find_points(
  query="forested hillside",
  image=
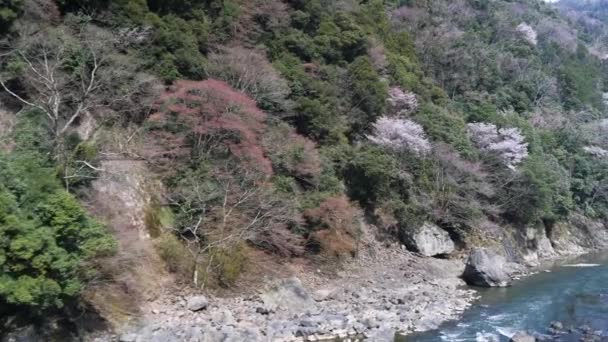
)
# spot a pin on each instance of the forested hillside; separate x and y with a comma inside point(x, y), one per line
point(290, 130)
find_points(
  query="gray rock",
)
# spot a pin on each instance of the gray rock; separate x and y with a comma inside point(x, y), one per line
point(197, 303)
point(324, 294)
point(128, 338)
point(486, 268)
point(25, 334)
point(557, 325)
point(545, 249)
point(522, 336)
point(288, 295)
point(429, 240)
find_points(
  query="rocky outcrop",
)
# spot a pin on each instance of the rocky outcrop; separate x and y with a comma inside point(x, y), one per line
point(578, 235)
point(429, 240)
point(486, 268)
point(122, 196)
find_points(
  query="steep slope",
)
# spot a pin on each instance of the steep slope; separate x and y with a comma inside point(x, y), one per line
point(306, 134)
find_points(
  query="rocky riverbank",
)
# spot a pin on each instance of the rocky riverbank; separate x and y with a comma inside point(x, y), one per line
point(376, 296)
point(396, 292)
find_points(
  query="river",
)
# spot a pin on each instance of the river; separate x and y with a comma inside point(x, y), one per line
point(574, 293)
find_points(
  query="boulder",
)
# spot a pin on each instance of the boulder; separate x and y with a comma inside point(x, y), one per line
point(128, 338)
point(324, 294)
point(288, 295)
point(197, 303)
point(429, 240)
point(486, 268)
point(522, 336)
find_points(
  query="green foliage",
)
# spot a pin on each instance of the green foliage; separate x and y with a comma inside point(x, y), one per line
point(442, 125)
point(9, 12)
point(369, 92)
point(540, 191)
point(369, 173)
point(176, 256)
point(178, 45)
point(580, 84)
point(47, 241)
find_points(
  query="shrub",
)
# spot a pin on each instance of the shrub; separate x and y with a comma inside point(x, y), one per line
point(293, 154)
point(176, 256)
point(334, 226)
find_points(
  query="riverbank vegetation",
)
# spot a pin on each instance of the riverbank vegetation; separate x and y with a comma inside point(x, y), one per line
point(286, 126)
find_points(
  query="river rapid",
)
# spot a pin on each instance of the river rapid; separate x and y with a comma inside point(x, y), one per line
point(573, 292)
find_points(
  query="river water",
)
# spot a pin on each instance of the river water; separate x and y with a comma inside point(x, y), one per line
point(574, 293)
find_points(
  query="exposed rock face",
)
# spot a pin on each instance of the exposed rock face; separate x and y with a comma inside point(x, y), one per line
point(486, 268)
point(197, 303)
point(544, 247)
point(122, 197)
point(578, 235)
point(521, 336)
point(289, 295)
point(429, 240)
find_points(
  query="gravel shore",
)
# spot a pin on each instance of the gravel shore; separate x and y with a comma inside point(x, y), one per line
point(375, 298)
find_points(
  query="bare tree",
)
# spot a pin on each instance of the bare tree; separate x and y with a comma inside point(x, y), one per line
point(65, 74)
point(232, 205)
point(249, 71)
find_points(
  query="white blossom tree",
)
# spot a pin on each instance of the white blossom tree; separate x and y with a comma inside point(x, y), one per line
point(528, 33)
point(400, 135)
point(596, 151)
point(507, 143)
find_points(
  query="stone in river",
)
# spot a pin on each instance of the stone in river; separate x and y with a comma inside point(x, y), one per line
point(522, 336)
point(486, 268)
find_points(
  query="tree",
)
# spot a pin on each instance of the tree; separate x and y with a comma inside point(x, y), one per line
point(507, 143)
point(47, 241)
point(250, 72)
point(400, 135)
point(189, 116)
point(222, 205)
point(66, 74)
point(402, 102)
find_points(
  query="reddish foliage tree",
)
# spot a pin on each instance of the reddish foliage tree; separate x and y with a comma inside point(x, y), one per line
point(193, 116)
